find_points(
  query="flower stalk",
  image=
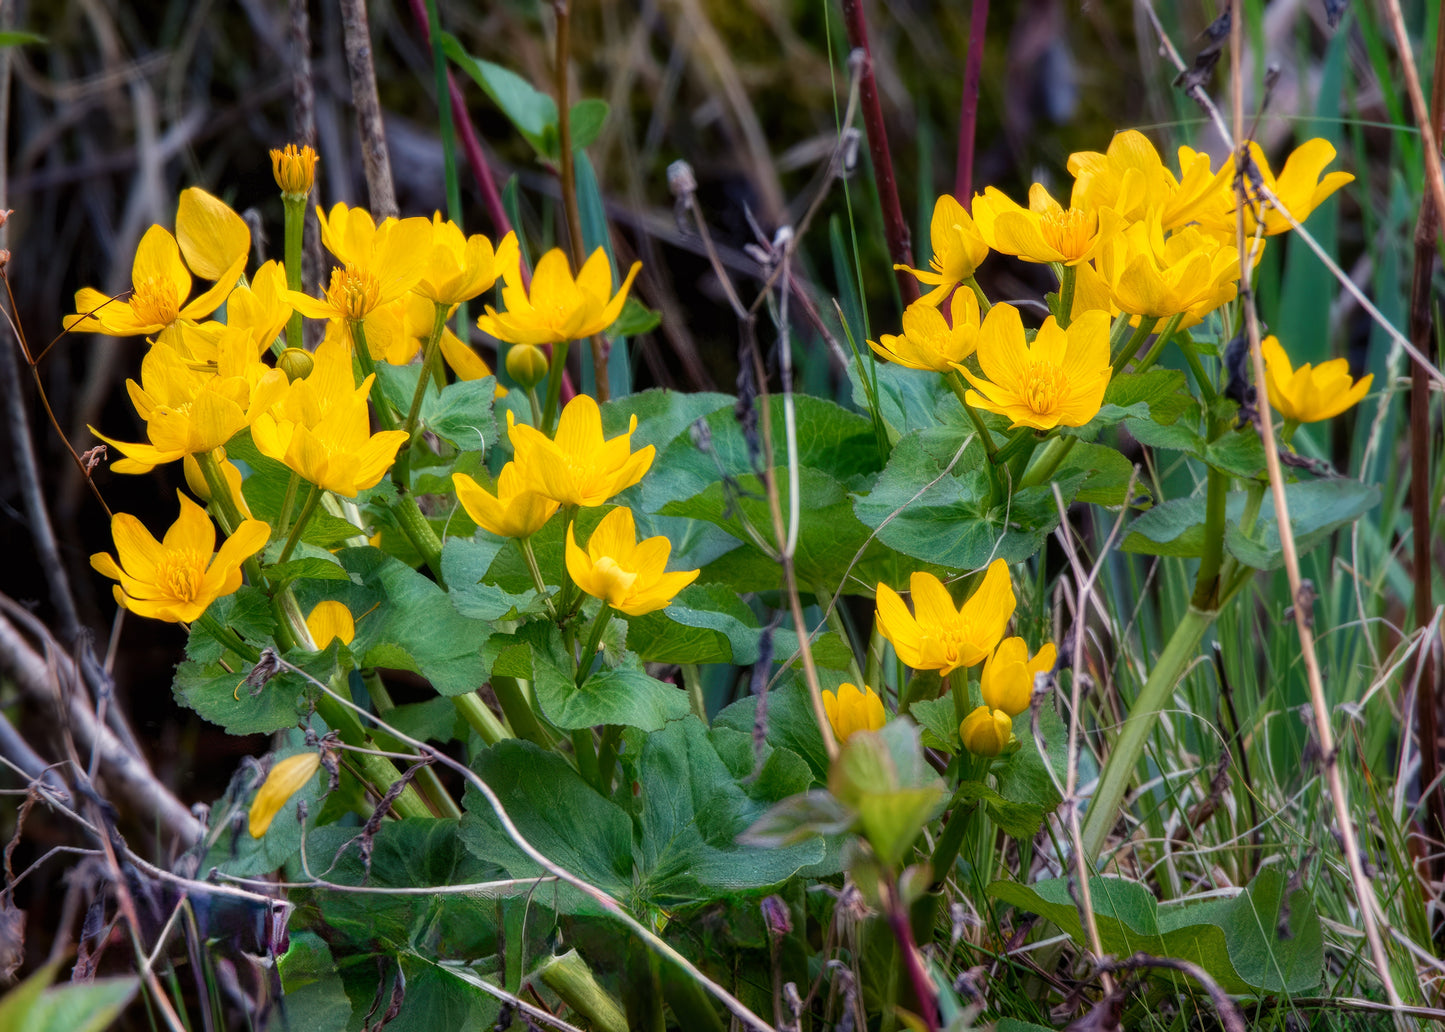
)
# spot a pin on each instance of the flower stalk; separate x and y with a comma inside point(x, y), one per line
point(295, 209)
point(313, 497)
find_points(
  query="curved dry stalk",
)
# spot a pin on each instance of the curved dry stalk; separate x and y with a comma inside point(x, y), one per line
point(1303, 603)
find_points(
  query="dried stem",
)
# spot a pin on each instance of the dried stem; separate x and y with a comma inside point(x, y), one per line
point(1303, 604)
point(895, 227)
point(374, 155)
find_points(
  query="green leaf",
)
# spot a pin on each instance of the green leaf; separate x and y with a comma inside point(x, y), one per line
point(1021, 820)
point(532, 112)
point(586, 121)
point(636, 319)
point(1106, 474)
point(221, 696)
point(911, 399)
point(315, 998)
point(1164, 391)
point(622, 696)
point(798, 819)
point(310, 568)
point(790, 723)
point(709, 623)
point(20, 38)
point(461, 413)
point(441, 996)
point(1023, 775)
point(883, 776)
point(80, 1007)
point(1248, 944)
point(940, 725)
point(465, 563)
point(1238, 453)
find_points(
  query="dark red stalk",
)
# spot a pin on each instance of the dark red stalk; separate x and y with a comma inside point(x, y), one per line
point(968, 111)
point(895, 228)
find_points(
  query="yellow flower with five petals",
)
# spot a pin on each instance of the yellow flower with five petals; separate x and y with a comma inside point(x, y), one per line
point(1310, 393)
point(578, 467)
point(1045, 231)
point(958, 249)
point(513, 511)
point(557, 307)
point(936, 636)
point(928, 342)
point(629, 575)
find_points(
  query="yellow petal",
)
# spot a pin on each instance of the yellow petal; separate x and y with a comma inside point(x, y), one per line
point(287, 777)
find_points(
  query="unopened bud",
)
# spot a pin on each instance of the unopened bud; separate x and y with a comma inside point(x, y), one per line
point(680, 179)
point(295, 170)
point(296, 364)
point(527, 364)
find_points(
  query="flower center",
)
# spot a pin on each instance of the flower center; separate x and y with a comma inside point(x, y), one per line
point(1069, 231)
point(179, 573)
point(616, 581)
point(154, 301)
point(353, 292)
point(1045, 388)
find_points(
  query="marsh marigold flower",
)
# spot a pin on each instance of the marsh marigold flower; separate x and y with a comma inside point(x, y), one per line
point(1309, 394)
point(176, 578)
point(627, 574)
point(1131, 178)
point(1008, 675)
point(287, 777)
point(1188, 272)
point(936, 636)
point(558, 308)
point(214, 243)
point(928, 342)
point(958, 249)
point(459, 267)
point(1058, 380)
point(1299, 186)
point(578, 467)
point(1045, 231)
point(295, 169)
point(985, 731)
point(852, 710)
point(513, 512)
point(329, 621)
point(380, 263)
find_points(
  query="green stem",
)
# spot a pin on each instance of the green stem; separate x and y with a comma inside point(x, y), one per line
point(692, 678)
point(955, 381)
point(518, 710)
point(227, 637)
point(384, 415)
point(1136, 341)
point(295, 208)
point(288, 504)
point(1206, 580)
point(984, 304)
point(525, 544)
point(958, 685)
point(418, 531)
point(481, 719)
point(1201, 378)
point(429, 783)
point(837, 626)
point(307, 508)
point(594, 638)
point(439, 323)
point(535, 405)
point(607, 757)
point(379, 772)
point(1152, 355)
point(586, 754)
point(1048, 462)
point(228, 514)
point(1022, 438)
point(554, 386)
point(1119, 768)
point(1068, 274)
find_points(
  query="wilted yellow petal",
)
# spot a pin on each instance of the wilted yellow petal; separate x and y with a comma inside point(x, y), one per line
point(287, 777)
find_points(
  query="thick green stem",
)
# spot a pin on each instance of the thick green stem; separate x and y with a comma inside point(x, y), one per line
point(1119, 768)
point(1201, 378)
point(955, 381)
point(482, 720)
point(554, 387)
point(1068, 274)
point(362, 350)
point(1160, 341)
point(418, 531)
point(1206, 581)
point(1021, 443)
point(525, 545)
point(377, 771)
point(307, 508)
point(594, 638)
point(518, 710)
point(439, 323)
point(1135, 342)
point(586, 754)
point(692, 678)
point(288, 505)
point(569, 977)
point(1048, 461)
point(958, 686)
point(227, 637)
point(607, 757)
point(295, 208)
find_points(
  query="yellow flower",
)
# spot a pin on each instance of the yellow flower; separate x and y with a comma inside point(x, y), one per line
point(986, 731)
point(940, 637)
point(558, 308)
point(1190, 272)
point(1131, 179)
point(380, 263)
point(1045, 231)
point(175, 579)
point(460, 267)
point(190, 407)
point(321, 428)
point(1058, 380)
point(513, 512)
point(958, 249)
point(1310, 394)
point(1008, 676)
point(214, 242)
point(287, 777)
point(294, 169)
point(1299, 188)
point(579, 467)
point(329, 621)
point(928, 341)
point(261, 308)
point(852, 710)
point(625, 573)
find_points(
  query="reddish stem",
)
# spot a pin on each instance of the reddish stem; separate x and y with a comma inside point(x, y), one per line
point(968, 113)
point(917, 977)
point(900, 245)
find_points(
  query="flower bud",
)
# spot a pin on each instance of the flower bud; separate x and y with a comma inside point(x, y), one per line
point(986, 731)
point(295, 170)
point(527, 364)
point(296, 363)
